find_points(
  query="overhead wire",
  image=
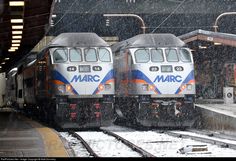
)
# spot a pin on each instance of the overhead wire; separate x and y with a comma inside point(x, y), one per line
point(86, 12)
point(168, 16)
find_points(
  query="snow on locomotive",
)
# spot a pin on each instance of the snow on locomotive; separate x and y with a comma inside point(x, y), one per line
point(71, 83)
point(154, 77)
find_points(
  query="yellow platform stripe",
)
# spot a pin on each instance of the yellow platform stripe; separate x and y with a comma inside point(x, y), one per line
point(52, 143)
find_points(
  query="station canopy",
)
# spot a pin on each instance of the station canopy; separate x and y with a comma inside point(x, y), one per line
point(210, 36)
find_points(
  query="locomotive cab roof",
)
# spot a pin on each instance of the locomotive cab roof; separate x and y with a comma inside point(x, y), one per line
point(149, 40)
point(78, 40)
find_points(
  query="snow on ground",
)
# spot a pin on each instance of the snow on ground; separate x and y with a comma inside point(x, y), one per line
point(107, 146)
point(158, 144)
point(204, 136)
point(102, 144)
point(163, 145)
point(76, 145)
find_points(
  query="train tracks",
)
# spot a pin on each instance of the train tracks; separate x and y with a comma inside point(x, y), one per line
point(136, 148)
point(85, 144)
point(140, 152)
point(206, 137)
point(117, 141)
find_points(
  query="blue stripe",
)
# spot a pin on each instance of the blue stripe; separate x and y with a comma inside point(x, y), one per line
point(137, 74)
point(188, 78)
point(110, 75)
point(58, 76)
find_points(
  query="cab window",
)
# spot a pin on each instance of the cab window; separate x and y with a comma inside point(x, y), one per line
point(90, 55)
point(60, 56)
point(142, 56)
point(185, 55)
point(157, 55)
point(75, 55)
point(171, 55)
point(104, 55)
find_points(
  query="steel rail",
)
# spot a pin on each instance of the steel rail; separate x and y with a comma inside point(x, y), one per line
point(129, 144)
point(202, 139)
point(85, 144)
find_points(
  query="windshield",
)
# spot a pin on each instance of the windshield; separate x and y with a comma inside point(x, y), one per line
point(142, 56)
point(60, 55)
point(171, 55)
point(104, 55)
point(185, 55)
point(157, 55)
point(90, 55)
point(75, 55)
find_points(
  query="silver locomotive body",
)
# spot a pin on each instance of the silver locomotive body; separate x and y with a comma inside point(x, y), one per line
point(71, 83)
point(155, 74)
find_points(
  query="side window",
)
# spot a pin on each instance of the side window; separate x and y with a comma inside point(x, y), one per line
point(90, 55)
point(157, 55)
point(20, 93)
point(142, 56)
point(185, 55)
point(60, 56)
point(104, 55)
point(171, 55)
point(75, 55)
point(29, 82)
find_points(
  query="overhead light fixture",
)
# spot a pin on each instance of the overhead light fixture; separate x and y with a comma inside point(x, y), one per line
point(3, 63)
point(17, 20)
point(0, 67)
point(16, 3)
point(16, 32)
point(15, 45)
point(7, 58)
point(202, 47)
point(107, 22)
point(217, 43)
point(17, 37)
point(14, 48)
point(15, 41)
point(17, 27)
point(11, 50)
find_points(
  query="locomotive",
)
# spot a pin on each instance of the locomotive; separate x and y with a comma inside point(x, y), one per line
point(70, 83)
point(154, 78)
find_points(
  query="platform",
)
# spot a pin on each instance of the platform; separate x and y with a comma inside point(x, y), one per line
point(23, 137)
point(218, 116)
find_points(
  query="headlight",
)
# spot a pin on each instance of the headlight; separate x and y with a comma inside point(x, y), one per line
point(68, 88)
point(189, 86)
point(145, 87)
point(101, 87)
point(151, 87)
point(61, 88)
